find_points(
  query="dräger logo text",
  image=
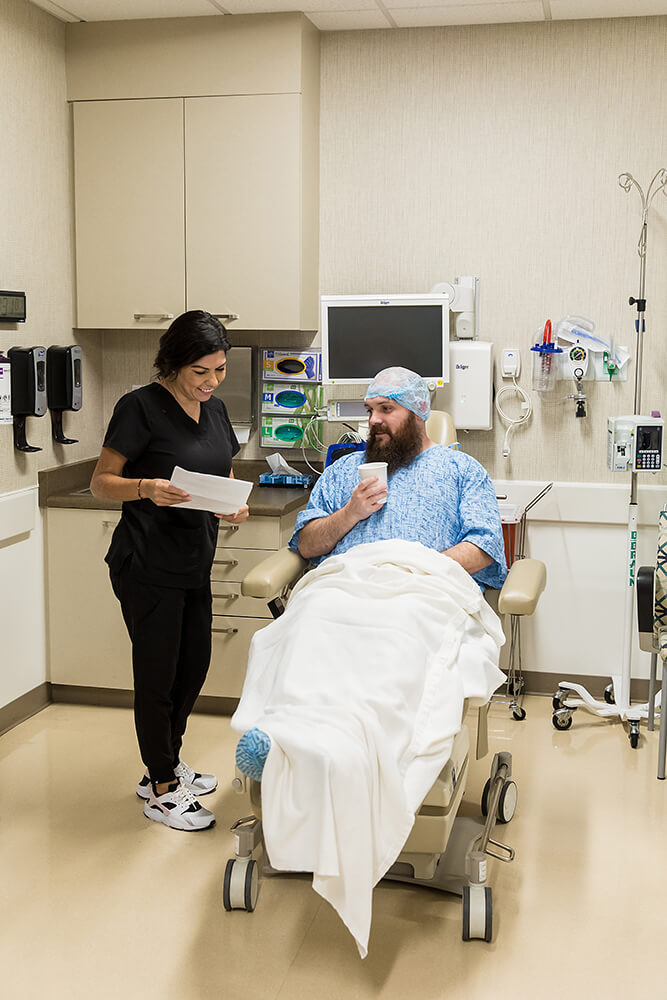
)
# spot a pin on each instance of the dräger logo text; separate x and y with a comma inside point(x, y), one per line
point(461, 368)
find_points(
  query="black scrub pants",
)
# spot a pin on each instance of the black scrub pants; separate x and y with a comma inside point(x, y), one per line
point(170, 630)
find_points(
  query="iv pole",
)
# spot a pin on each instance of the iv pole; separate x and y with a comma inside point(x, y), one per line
point(617, 694)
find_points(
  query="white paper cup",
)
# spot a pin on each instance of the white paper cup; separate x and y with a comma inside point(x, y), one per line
point(379, 469)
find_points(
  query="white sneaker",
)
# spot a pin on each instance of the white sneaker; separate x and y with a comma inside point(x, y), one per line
point(198, 784)
point(178, 809)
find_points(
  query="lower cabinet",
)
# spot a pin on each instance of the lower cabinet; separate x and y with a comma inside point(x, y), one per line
point(88, 643)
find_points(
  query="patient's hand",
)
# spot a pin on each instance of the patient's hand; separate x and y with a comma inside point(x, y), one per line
point(322, 534)
point(367, 498)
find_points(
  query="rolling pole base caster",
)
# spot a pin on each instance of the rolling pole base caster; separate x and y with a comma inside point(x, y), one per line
point(515, 686)
point(562, 718)
point(633, 733)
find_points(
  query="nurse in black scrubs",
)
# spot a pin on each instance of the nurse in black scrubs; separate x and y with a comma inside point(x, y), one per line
point(160, 557)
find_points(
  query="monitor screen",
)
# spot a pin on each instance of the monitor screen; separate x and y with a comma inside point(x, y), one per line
point(362, 335)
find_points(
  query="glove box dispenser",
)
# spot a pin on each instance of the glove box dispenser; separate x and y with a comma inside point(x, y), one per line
point(28, 382)
point(64, 386)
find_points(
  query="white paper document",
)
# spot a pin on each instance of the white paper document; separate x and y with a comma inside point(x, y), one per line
point(216, 494)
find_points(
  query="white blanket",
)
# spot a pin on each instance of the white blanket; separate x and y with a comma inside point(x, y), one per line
point(360, 685)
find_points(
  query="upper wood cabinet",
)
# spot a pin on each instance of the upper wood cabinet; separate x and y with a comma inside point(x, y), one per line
point(196, 201)
point(129, 223)
point(246, 221)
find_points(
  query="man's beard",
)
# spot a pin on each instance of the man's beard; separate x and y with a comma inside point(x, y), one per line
point(401, 448)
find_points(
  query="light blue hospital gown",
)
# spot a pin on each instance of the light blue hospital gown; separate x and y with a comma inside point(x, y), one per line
point(442, 498)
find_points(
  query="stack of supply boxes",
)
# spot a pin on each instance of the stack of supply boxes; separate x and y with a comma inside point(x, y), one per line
point(291, 396)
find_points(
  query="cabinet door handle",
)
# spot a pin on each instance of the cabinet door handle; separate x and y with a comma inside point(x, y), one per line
point(225, 562)
point(230, 317)
point(229, 527)
point(228, 597)
point(157, 316)
point(230, 631)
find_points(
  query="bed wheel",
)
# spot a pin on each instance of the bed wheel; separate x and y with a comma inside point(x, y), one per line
point(507, 801)
point(477, 913)
point(485, 797)
point(240, 885)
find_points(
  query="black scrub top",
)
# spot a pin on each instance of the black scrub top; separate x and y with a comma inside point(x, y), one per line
point(168, 547)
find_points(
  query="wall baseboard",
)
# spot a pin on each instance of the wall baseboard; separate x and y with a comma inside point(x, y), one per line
point(23, 708)
point(78, 694)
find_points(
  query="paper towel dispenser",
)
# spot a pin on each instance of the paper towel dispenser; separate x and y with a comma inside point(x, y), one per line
point(238, 389)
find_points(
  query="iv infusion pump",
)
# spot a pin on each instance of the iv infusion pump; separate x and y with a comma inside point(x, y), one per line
point(634, 444)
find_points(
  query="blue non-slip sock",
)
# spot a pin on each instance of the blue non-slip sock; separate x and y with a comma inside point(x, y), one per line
point(251, 753)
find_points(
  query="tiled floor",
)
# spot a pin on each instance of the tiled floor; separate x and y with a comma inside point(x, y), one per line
point(98, 902)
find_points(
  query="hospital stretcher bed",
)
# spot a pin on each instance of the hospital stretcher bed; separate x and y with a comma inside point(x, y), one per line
point(443, 851)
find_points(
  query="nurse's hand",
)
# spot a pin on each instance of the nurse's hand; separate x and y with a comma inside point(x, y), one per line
point(161, 493)
point(241, 514)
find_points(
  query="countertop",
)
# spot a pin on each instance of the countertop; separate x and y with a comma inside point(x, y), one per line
point(264, 501)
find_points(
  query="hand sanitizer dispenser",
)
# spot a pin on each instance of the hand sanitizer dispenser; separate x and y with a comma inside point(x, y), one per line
point(64, 386)
point(28, 383)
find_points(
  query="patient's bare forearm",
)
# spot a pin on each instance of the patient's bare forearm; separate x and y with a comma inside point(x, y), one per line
point(469, 555)
point(319, 537)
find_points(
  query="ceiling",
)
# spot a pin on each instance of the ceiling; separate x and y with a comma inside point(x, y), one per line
point(342, 15)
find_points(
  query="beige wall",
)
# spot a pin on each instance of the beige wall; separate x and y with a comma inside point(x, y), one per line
point(495, 151)
point(36, 210)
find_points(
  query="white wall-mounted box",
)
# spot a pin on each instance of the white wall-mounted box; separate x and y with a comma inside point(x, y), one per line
point(468, 396)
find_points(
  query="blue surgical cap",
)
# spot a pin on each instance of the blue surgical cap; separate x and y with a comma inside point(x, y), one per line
point(404, 386)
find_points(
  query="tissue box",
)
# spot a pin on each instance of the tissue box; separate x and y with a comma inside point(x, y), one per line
point(287, 432)
point(282, 479)
point(292, 366)
point(291, 398)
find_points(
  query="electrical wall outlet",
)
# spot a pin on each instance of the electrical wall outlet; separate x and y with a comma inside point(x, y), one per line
point(510, 363)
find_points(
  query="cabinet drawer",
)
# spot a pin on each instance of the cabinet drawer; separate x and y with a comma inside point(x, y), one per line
point(227, 600)
point(229, 657)
point(233, 565)
point(255, 533)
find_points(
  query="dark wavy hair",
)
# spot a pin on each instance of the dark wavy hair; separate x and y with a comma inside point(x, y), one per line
point(191, 336)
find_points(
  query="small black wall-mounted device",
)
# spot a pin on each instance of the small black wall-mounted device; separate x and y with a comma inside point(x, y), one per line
point(63, 386)
point(28, 381)
point(12, 307)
